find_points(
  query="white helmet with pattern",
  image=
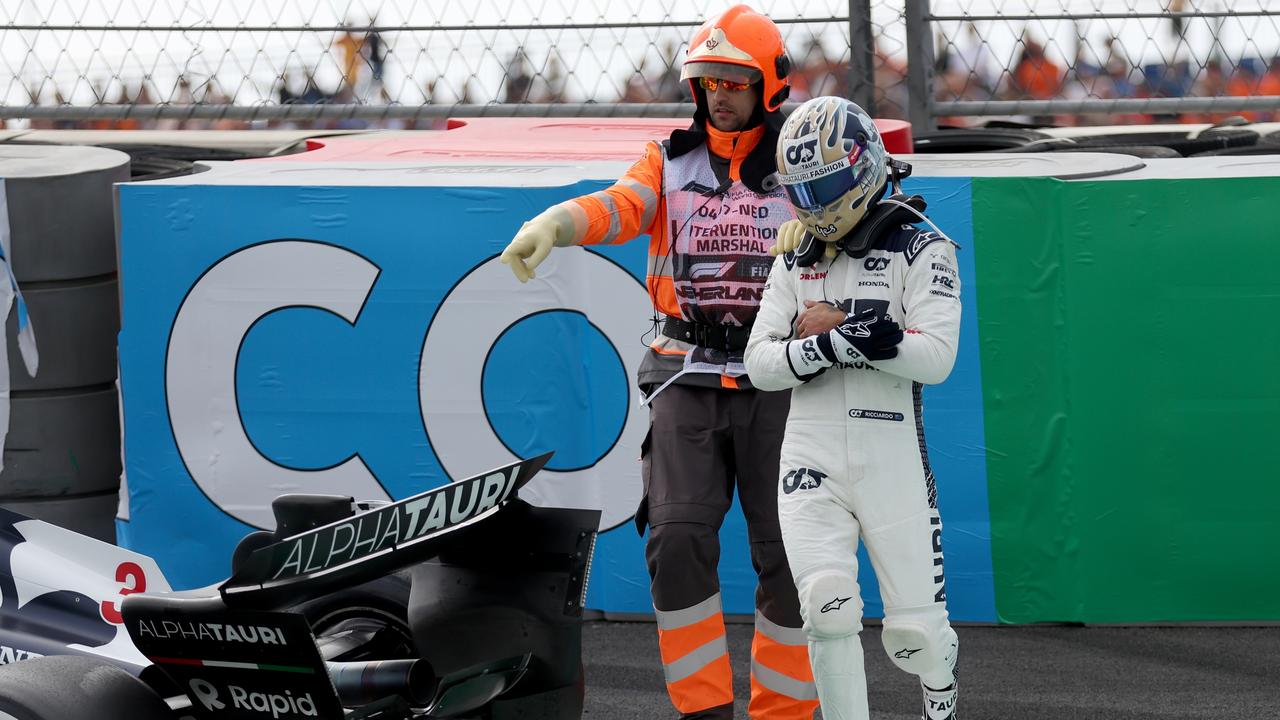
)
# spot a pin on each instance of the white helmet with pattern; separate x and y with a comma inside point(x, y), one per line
point(833, 164)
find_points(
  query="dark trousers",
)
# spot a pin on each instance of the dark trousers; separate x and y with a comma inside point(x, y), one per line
point(703, 445)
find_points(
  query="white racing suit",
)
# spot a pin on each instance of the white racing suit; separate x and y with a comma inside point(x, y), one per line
point(854, 462)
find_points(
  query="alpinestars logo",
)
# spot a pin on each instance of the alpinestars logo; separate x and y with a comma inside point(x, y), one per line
point(905, 654)
point(802, 479)
point(835, 604)
point(862, 329)
point(919, 243)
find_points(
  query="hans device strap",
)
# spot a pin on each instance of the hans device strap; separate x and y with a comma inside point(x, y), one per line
point(885, 217)
point(810, 250)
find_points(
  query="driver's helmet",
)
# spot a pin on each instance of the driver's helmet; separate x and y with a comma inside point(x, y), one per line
point(833, 165)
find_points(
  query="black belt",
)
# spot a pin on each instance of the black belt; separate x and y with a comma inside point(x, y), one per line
point(717, 337)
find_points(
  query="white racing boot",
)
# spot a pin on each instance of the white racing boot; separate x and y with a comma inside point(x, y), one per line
point(940, 704)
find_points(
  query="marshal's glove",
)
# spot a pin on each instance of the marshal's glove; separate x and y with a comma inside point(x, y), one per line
point(865, 335)
point(534, 240)
point(794, 237)
point(790, 234)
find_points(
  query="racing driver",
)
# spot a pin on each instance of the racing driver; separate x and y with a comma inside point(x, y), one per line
point(861, 310)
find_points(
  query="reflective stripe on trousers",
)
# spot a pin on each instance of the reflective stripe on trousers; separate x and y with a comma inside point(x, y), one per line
point(782, 685)
point(695, 656)
point(695, 662)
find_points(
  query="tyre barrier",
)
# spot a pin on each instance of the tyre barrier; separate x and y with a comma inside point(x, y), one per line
point(76, 323)
point(1182, 143)
point(62, 452)
point(46, 241)
point(62, 444)
point(156, 162)
point(1263, 147)
point(92, 515)
point(1142, 151)
point(973, 140)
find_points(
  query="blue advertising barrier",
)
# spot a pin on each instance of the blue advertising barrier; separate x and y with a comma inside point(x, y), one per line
point(316, 335)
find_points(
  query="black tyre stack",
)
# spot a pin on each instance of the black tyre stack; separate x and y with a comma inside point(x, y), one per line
point(62, 453)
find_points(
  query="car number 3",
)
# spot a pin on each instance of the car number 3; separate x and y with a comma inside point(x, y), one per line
point(132, 580)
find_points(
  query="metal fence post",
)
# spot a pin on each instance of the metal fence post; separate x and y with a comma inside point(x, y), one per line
point(862, 56)
point(919, 66)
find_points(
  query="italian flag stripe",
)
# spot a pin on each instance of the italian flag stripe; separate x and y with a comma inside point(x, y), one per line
point(233, 665)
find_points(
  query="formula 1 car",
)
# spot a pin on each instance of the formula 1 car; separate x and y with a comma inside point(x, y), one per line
point(460, 602)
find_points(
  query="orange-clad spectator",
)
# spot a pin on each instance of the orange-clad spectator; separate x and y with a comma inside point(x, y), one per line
point(1036, 76)
point(143, 98)
point(1210, 83)
point(1269, 83)
point(1244, 83)
point(350, 46)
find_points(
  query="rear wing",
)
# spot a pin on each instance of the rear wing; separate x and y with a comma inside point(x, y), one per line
point(372, 543)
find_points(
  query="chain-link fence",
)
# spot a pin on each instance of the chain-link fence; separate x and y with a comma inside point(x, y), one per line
point(1105, 61)
point(201, 62)
point(405, 63)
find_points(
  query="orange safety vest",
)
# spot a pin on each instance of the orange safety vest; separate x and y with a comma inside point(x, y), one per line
point(692, 279)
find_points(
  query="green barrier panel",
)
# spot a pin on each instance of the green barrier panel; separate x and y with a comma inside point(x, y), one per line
point(1130, 347)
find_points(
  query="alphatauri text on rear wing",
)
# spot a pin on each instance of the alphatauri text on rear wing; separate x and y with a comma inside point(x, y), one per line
point(374, 542)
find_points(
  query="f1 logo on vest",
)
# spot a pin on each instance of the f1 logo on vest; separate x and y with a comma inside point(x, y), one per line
point(875, 264)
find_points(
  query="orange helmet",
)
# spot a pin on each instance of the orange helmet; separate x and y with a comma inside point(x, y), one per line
point(743, 46)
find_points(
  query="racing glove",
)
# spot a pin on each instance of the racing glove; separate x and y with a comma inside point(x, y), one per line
point(866, 334)
point(534, 240)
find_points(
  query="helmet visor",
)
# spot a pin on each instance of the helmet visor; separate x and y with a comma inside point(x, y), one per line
point(811, 193)
point(814, 195)
point(720, 70)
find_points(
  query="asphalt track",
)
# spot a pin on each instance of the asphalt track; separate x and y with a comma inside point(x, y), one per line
point(1006, 673)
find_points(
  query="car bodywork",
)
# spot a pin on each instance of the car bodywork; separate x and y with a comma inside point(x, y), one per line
point(487, 588)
